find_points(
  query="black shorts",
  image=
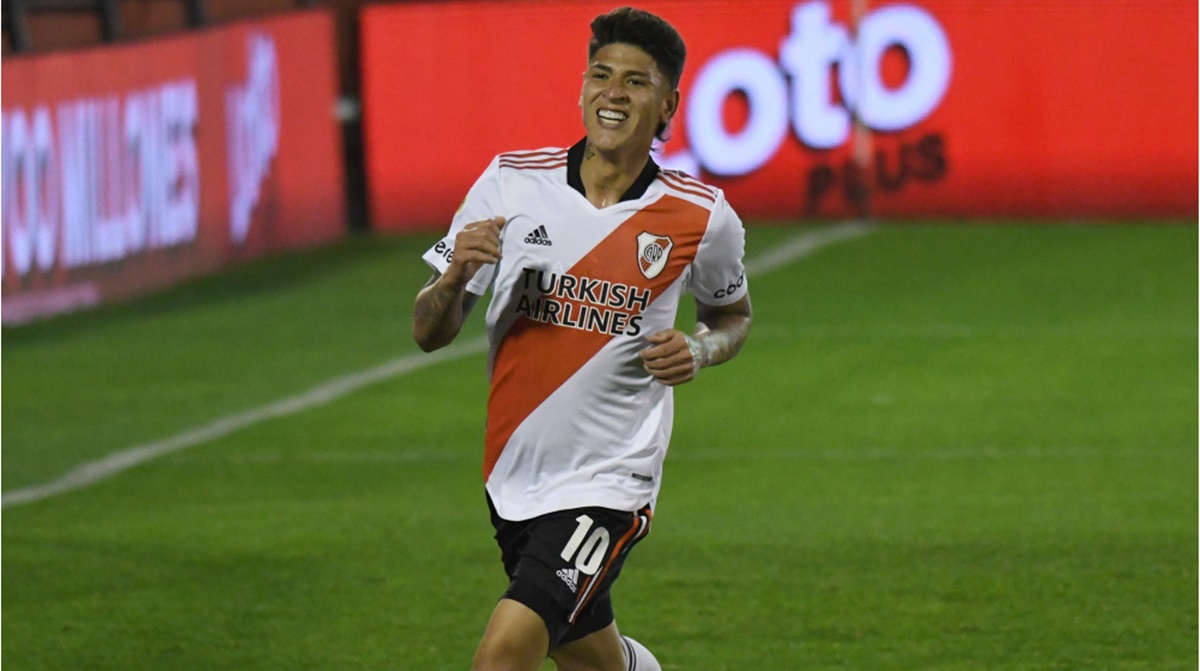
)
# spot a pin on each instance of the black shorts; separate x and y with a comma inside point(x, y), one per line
point(562, 565)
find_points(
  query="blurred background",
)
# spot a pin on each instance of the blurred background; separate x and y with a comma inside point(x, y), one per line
point(961, 436)
point(150, 140)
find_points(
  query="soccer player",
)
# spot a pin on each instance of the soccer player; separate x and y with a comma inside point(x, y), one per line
point(587, 251)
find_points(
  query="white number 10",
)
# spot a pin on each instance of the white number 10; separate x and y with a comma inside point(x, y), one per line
point(591, 552)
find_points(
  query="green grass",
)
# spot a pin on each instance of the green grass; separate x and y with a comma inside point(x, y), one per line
point(954, 447)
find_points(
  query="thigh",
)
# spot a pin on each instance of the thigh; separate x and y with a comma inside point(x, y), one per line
point(563, 565)
point(515, 638)
point(601, 650)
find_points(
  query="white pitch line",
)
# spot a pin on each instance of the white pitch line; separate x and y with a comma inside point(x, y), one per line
point(92, 472)
point(803, 245)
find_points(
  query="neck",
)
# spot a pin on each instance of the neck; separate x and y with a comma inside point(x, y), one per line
point(608, 175)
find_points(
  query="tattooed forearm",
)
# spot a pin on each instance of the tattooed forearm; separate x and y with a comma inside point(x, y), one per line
point(720, 332)
point(439, 313)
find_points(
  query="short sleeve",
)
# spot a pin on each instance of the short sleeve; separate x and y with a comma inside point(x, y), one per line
point(717, 275)
point(483, 201)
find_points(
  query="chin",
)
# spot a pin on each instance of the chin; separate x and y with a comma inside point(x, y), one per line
point(608, 140)
point(604, 141)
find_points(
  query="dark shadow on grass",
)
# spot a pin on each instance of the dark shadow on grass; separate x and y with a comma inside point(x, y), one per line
point(235, 283)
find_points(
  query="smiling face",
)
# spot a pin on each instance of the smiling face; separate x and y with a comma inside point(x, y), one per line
point(625, 98)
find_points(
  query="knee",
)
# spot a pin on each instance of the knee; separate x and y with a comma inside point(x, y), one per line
point(588, 658)
point(570, 663)
point(499, 653)
point(500, 663)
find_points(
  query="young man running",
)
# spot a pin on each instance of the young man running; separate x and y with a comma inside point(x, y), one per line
point(587, 251)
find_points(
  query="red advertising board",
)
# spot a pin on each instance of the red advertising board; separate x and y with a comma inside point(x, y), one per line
point(824, 108)
point(127, 168)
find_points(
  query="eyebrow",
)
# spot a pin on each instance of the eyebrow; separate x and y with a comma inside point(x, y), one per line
point(628, 73)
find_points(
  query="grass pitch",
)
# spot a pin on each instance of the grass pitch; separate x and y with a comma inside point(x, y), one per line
point(952, 447)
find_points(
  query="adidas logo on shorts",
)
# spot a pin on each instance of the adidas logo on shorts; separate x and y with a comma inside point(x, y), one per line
point(538, 236)
point(569, 576)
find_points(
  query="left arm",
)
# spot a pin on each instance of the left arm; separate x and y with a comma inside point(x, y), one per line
point(675, 357)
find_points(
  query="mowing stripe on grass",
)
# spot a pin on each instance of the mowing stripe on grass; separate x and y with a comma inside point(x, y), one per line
point(803, 245)
point(95, 471)
point(798, 453)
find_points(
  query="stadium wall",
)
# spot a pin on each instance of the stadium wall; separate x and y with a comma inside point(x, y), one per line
point(129, 167)
point(1065, 108)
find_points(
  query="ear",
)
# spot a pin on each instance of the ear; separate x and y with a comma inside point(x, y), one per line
point(670, 106)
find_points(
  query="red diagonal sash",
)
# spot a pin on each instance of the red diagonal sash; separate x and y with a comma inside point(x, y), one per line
point(535, 359)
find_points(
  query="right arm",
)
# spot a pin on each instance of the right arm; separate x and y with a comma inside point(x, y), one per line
point(443, 303)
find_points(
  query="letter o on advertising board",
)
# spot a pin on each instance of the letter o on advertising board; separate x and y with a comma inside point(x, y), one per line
point(917, 32)
point(30, 190)
point(759, 78)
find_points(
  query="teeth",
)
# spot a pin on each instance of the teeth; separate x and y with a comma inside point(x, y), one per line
point(612, 115)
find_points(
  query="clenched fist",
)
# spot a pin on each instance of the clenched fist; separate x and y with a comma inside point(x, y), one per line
point(476, 245)
point(673, 357)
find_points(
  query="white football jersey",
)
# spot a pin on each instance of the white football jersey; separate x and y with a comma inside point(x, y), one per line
point(573, 418)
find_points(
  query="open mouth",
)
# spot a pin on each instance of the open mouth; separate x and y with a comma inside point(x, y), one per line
point(611, 117)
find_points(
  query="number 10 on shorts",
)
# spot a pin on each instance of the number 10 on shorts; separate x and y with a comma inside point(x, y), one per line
point(588, 554)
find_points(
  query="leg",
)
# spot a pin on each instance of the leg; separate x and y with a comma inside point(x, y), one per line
point(556, 598)
point(598, 651)
point(604, 650)
point(642, 659)
point(515, 640)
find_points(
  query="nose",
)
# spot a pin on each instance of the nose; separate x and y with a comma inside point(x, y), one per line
point(615, 90)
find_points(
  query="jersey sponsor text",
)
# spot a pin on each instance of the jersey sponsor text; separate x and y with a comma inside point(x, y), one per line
point(584, 303)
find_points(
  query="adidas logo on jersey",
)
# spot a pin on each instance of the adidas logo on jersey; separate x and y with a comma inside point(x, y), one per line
point(538, 236)
point(569, 576)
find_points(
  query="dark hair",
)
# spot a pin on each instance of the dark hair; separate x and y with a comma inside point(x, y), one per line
point(649, 33)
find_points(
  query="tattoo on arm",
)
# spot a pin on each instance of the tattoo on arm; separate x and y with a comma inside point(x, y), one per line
point(439, 313)
point(720, 332)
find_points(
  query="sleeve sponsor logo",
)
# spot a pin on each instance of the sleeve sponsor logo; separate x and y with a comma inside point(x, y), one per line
point(732, 288)
point(444, 250)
